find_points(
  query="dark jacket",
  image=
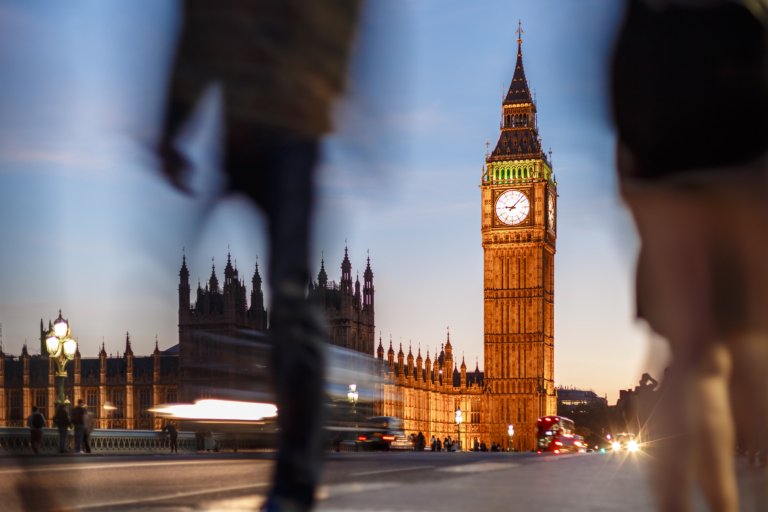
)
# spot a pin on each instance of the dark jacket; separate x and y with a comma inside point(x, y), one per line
point(61, 418)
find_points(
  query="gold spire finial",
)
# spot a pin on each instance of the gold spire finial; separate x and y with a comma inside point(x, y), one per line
point(520, 32)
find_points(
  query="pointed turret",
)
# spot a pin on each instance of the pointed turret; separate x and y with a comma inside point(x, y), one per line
point(519, 92)
point(368, 287)
point(230, 274)
point(346, 274)
point(156, 352)
point(400, 360)
point(448, 380)
point(409, 370)
point(391, 354)
point(184, 299)
point(128, 349)
point(419, 367)
point(322, 276)
point(463, 372)
point(213, 282)
point(380, 350)
point(257, 313)
point(519, 138)
point(184, 271)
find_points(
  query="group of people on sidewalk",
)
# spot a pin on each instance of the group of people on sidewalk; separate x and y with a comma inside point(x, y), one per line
point(80, 421)
point(436, 445)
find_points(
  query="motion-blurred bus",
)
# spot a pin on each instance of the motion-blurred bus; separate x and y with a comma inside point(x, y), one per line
point(557, 434)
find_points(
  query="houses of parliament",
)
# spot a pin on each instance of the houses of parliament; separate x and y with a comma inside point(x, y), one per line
point(518, 206)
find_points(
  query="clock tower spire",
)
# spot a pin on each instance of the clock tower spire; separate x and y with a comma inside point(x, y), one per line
point(519, 196)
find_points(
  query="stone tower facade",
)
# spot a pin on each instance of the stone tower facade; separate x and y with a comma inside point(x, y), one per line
point(210, 343)
point(349, 310)
point(519, 201)
point(216, 329)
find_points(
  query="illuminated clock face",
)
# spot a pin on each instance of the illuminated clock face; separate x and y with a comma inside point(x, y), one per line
point(512, 207)
point(551, 211)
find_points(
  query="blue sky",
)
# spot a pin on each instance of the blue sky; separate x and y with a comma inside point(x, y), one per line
point(89, 228)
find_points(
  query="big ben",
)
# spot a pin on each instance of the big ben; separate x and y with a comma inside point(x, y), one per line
point(519, 214)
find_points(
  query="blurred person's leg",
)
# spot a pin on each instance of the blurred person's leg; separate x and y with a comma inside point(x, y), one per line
point(748, 235)
point(276, 169)
point(714, 435)
point(692, 432)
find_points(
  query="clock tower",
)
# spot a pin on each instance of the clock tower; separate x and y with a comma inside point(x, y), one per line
point(519, 213)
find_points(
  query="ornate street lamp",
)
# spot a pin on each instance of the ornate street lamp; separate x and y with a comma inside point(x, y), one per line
point(510, 433)
point(458, 425)
point(352, 397)
point(61, 348)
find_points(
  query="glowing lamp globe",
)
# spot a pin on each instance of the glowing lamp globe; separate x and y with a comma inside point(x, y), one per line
point(52, 344)
point(70, 347)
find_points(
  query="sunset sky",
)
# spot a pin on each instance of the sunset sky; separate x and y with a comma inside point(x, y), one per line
point(87, 226)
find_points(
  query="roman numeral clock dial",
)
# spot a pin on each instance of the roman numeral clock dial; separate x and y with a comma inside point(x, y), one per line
point(512, 207)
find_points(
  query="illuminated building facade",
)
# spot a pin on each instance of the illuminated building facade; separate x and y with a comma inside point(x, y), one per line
point(426, 394)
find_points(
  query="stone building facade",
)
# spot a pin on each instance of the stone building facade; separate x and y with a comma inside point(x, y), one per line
point(118, 390)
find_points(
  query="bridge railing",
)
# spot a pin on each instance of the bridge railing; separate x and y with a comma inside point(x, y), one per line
point(17, 441)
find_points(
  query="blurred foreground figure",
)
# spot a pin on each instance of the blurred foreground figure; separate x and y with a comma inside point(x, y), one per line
point(279, 64)
point(690, 100)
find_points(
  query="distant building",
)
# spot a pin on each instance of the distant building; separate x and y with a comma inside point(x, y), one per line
point(578, 401)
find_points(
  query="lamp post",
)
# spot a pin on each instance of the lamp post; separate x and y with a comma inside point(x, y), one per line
point(61, 348)
point(510, 433)
point(459, 419)
point(352, 397)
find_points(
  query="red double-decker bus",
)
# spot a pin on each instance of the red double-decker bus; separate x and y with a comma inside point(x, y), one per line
point(557, 434)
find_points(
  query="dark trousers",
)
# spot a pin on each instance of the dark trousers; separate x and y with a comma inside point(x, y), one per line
point(36, 438)
point(276, 170)
point(87, 440)
point(79, 433)
point(63, 433)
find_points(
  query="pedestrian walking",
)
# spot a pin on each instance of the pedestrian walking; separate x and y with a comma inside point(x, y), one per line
point(87, 429)
point(36, 423)
point(173, 434)
point(279, 65)
point(62, 423)
point(79, 425)
point(689, 84)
